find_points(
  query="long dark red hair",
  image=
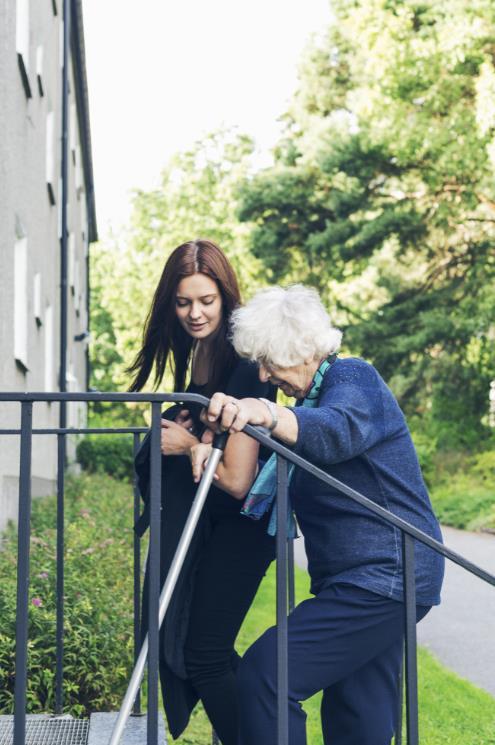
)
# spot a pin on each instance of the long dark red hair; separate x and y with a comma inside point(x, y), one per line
point(163, 336)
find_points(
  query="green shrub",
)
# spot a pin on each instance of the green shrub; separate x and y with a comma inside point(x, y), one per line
point(484, 466)
point(98, 605)
point(426, 447)
point(112, 454)
point(465, 497)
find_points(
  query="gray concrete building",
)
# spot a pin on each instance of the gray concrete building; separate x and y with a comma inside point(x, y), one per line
point(31, 64)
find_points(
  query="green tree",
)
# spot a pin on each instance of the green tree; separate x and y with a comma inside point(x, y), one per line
point(383, 196)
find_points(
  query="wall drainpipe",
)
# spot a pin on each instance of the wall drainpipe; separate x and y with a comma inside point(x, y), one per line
point(61, 445)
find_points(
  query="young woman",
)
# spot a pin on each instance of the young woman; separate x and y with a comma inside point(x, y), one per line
point(187, 326)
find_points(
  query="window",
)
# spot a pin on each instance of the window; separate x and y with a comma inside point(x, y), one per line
point(75, 409)
point(59, 223)
point(37, 298)
point(49, 358)
point(50, 155)
point(78, 173)
point(71, 262)
point(77, 296)
point(73, 131)
point(39, 69)
point(22, 43)
point(20, 304)
point(84, 222)
point(61, 44)
point(83, 315)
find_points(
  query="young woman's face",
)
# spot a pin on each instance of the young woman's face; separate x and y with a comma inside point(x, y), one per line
point(198, 305)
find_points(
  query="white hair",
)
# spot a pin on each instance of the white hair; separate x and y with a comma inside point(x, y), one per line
point(282, 327)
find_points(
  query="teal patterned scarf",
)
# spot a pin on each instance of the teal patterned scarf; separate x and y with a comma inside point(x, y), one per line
point(262, 496)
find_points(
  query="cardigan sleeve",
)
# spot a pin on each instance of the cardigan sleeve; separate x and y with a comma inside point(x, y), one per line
point(345, 424)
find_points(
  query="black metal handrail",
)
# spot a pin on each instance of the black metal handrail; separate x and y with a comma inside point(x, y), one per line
point(284, 552)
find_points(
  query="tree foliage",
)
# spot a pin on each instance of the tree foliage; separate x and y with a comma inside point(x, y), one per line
point(383, 196)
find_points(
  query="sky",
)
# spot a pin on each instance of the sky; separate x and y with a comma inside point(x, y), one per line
point(162, 74)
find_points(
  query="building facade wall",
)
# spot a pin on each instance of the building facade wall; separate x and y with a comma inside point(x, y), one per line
point(30, 231)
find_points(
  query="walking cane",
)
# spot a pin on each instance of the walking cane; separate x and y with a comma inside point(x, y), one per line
point(219, 442)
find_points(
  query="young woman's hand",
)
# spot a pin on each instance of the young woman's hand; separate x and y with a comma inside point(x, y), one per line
point(207, 436)
point(199, 458)
point(176, 439)
point(185, 420)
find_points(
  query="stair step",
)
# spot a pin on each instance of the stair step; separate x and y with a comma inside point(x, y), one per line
point(101, 726)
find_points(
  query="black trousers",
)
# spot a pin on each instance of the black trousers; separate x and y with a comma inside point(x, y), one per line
point(231, 567)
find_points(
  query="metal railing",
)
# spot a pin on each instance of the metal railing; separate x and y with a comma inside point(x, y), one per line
point(284, 568)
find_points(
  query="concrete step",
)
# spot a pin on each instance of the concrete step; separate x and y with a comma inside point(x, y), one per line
point(101, 726)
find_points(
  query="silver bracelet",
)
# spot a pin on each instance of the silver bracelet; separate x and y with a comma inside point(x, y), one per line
point(273, 411)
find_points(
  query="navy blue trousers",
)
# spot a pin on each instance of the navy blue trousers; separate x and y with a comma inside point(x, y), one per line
point(346, 642)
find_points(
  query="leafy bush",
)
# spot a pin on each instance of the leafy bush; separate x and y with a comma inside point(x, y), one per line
point(98, 600)
point(426, 447)
point(465, 498)
point(110, 454)
point(484, 466)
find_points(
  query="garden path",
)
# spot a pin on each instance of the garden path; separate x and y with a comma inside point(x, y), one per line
point(461, 631)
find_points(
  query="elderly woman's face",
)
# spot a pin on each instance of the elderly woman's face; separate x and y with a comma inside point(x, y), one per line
point(294, 381)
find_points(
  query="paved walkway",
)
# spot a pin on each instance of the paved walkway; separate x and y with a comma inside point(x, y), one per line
point(461, 631)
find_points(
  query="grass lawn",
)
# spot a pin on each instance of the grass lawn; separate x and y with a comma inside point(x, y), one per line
point(452, 711)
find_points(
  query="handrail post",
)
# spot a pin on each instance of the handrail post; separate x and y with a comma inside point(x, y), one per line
point(23, 539)
point(137, 572)
point(154, 573)
point(60, 581)
point(282, 629)
point(411, 667)
point(291, 575)
point(400, 702)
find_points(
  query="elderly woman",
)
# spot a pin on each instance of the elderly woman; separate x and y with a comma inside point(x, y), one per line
point(347, 639)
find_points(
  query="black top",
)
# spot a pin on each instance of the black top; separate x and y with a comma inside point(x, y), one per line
point(244, 382)
point(177, 493)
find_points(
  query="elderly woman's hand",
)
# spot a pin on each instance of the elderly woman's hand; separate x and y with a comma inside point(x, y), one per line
point(228, 413)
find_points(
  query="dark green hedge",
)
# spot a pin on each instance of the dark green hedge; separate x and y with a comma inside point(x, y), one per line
point(112, 454)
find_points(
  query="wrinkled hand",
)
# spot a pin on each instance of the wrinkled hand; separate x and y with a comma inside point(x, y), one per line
point(184, 419)
point(226, 413)
point(199, 458)
point(175, 439)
